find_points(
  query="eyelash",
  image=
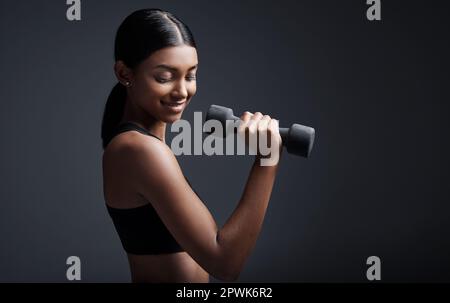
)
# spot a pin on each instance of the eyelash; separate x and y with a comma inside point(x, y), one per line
point(192, 78)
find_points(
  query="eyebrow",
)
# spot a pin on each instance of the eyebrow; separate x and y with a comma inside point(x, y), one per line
point(173, 68)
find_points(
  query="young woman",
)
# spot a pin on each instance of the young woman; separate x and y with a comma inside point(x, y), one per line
point(168, 233)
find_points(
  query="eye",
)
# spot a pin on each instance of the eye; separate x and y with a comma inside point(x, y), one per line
point(191, 78)
point(162, 80)
point(163, 77)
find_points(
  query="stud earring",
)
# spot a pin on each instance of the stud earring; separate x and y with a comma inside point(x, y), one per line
point(127, 84)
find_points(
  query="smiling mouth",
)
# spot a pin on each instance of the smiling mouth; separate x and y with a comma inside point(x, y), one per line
point(174, 104)
point(175, 107)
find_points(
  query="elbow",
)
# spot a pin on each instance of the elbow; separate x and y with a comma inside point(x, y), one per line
point(231, 277)
point(227, 271)
point(228, 264)
point(227, 275)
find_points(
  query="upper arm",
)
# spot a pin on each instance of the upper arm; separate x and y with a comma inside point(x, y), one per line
point(160, 180)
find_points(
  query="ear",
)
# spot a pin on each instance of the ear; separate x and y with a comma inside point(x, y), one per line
point(123, 73)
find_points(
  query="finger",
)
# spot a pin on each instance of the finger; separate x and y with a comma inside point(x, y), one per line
point(275, 131)
point(274, 126)
point(257, 116)
point(266, 118)
point(246, 116)
point(262, 130)
point(263, 123)
point(253, 123)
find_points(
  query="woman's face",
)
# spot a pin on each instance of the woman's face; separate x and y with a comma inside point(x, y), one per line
point(165, 82)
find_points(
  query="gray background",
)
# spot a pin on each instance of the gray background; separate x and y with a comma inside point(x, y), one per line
point(377, 182)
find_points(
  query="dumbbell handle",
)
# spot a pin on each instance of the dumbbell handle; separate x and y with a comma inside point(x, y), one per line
point(298, 139)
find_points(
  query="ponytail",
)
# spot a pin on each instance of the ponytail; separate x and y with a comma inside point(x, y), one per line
point(113, 112)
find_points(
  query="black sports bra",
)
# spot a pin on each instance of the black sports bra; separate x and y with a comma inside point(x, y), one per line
point(140, 229)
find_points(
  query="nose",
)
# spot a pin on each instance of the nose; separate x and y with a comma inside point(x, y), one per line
point(180, 91)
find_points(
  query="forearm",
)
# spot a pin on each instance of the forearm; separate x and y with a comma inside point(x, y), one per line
point(238, 236)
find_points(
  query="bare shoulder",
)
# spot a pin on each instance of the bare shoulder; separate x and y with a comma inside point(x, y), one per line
point(132, 144)
point(127, 163)
point(142, 158)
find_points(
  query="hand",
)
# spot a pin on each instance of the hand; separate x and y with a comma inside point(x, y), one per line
point(261, 127)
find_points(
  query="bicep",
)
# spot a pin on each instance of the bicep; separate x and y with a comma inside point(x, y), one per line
point(162, 183)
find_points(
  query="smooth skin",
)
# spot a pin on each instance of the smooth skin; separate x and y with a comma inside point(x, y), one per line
point(140, 169)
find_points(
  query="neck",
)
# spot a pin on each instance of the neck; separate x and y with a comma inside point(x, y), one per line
point(144, 120)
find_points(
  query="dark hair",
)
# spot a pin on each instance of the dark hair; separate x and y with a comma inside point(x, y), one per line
point(140, 34)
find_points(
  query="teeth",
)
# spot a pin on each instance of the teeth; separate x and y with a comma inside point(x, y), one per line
point(172, 104)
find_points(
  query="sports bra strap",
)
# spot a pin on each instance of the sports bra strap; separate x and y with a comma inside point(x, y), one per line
point(126, 126)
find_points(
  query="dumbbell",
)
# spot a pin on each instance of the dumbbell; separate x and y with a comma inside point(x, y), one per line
point(298, 139)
